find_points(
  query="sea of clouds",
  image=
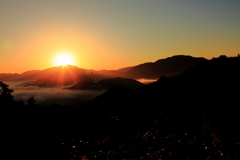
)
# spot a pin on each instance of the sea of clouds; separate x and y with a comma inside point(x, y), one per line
point(49, 96)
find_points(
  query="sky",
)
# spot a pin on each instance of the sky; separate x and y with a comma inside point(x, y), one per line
point(112, 34)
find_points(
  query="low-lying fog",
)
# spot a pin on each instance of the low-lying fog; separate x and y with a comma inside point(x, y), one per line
point(48, 96)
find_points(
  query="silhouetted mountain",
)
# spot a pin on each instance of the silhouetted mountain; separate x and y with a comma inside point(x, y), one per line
point(29, 75)
point(26, 76)
point(208, 85)
point(63, 75)
point(54, 76)
point(194, 115)
point(196, 111)
point(125, 69)
point(171, 66)
point(8, 76)
point(117, 82)
point(108, 84)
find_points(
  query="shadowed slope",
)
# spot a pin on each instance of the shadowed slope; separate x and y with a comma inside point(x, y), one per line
point(194, 115)
point(62, 75)
point(107, 84)
point(163, 67)
point(211, 84)
point(171, 66)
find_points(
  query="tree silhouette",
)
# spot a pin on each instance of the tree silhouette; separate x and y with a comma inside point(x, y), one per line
point(5, 92)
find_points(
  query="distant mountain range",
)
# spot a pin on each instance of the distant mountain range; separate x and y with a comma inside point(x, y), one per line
point(171, 66)
point(67, 75)
point(195, 114)
point(211, 85)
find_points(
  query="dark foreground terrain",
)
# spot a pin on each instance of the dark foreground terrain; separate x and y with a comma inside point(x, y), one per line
point(192, 116)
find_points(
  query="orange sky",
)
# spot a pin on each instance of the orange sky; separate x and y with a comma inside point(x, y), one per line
point(102, 34)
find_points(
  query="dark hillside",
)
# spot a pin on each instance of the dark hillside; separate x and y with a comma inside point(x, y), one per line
point(107, 84)
point(202, 101)
point(194, 115)
point(171, 66)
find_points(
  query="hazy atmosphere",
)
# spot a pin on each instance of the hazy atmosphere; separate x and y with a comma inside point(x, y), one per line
point(48, 96)
point(111, 34)
point(120, 79)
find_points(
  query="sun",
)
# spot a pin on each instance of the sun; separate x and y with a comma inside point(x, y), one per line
point(63, 59)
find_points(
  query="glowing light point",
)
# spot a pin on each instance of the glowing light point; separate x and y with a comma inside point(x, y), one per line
point(63, 59)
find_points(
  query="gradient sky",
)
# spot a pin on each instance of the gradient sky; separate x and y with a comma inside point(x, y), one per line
point(111, 34)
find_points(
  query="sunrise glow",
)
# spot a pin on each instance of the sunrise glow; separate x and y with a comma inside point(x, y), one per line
point(63, 58)
point(97, 34)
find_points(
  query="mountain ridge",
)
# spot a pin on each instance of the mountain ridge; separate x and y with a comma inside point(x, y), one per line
point(66, 75)
point(194, 115)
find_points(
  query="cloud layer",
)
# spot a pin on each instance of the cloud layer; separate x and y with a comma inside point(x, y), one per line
point(48, 96)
